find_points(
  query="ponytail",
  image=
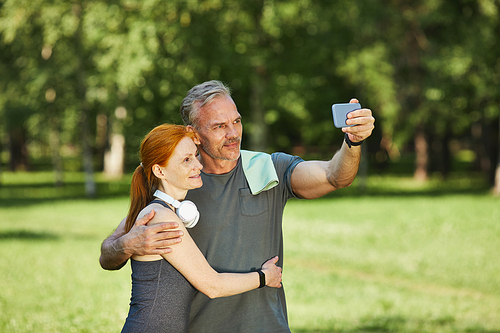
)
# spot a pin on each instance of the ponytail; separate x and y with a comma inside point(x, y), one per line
point(140, 196)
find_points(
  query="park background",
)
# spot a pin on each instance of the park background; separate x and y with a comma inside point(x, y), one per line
point(411, 246)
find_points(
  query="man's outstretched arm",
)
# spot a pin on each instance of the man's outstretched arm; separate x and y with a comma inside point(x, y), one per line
point(313, 179)
point(140, 240)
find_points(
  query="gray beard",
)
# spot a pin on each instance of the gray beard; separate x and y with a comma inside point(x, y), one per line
point(216, 157)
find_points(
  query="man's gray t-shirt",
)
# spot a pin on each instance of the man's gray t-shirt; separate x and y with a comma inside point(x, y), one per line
point(238, 232)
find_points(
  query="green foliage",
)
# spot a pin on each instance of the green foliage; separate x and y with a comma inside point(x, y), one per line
point(428, 64)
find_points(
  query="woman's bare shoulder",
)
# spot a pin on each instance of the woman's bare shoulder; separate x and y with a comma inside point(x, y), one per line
point(162, 214)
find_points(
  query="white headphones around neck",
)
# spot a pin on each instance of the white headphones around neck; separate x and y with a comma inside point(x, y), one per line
point(185, 210)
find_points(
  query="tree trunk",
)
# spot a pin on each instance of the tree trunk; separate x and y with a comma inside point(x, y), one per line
point(422, 155)
point(57, 164)
point(258, 129)
point(440, 156)
point(90, 188)
point(446, 155)
point(258, 133)
point(114, 156)
point(18, 149)
point(363, 169)
point(496, 189)
point(1, 170)
point(101, 139)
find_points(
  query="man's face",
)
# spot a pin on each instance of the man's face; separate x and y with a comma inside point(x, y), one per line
point(219, 129)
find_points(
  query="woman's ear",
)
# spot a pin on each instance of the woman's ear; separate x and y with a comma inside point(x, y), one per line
point(158, 171)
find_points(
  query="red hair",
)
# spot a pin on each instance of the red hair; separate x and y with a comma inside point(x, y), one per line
point(156, 148)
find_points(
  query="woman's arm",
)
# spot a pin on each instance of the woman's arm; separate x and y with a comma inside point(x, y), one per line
point(190, 262)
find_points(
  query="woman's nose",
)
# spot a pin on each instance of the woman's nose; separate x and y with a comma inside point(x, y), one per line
point(198, 165)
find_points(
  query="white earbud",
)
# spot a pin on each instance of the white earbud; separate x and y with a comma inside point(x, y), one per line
point(185, 210)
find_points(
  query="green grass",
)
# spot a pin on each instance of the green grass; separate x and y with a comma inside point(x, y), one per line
point(394, 264)
point(51, 278)
point(402, 257)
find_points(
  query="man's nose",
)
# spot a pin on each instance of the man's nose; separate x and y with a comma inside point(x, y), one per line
point(232, 131)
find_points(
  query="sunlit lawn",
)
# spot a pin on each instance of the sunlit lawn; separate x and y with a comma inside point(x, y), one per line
point(394, 264)
point(407, 258)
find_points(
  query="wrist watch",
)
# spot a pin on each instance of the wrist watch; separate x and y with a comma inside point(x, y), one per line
point(262, 278)
point(350, 143)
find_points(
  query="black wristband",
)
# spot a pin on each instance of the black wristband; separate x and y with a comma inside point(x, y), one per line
point(262, 278)
point(350, 143)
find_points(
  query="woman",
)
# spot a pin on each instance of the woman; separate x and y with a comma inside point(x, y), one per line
point(162, 286)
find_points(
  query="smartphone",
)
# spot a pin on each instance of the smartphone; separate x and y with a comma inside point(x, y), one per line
point(340, 112)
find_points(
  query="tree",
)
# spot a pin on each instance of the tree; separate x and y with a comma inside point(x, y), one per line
point(421, 66)
point(48, 75)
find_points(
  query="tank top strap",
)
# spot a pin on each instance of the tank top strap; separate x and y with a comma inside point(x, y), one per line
point(161, 202)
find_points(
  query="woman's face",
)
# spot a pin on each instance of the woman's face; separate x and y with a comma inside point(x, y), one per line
point(183, 168)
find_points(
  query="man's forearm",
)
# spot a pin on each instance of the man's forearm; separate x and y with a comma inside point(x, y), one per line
point(343, 167)
point(314, 179)
point(112, 255)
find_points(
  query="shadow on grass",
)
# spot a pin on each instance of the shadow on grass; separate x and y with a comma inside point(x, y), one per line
point(435, 192)
point(34, 191)
point(399, 324)
point(395, 186)
point(16, 195)
point(27, 235)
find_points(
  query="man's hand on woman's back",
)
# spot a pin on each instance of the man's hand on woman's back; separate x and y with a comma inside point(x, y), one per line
point(140, 240)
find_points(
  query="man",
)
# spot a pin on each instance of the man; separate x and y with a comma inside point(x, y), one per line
point(241, 216)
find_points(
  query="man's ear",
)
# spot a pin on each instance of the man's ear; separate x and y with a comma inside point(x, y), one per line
point(196, 139)
point(158, 171)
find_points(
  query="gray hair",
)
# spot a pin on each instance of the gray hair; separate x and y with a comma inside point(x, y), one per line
point(199, 96)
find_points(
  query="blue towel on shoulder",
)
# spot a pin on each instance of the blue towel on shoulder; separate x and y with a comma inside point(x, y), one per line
point(259, 171)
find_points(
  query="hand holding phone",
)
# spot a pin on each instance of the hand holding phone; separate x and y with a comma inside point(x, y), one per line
point(340, 112)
